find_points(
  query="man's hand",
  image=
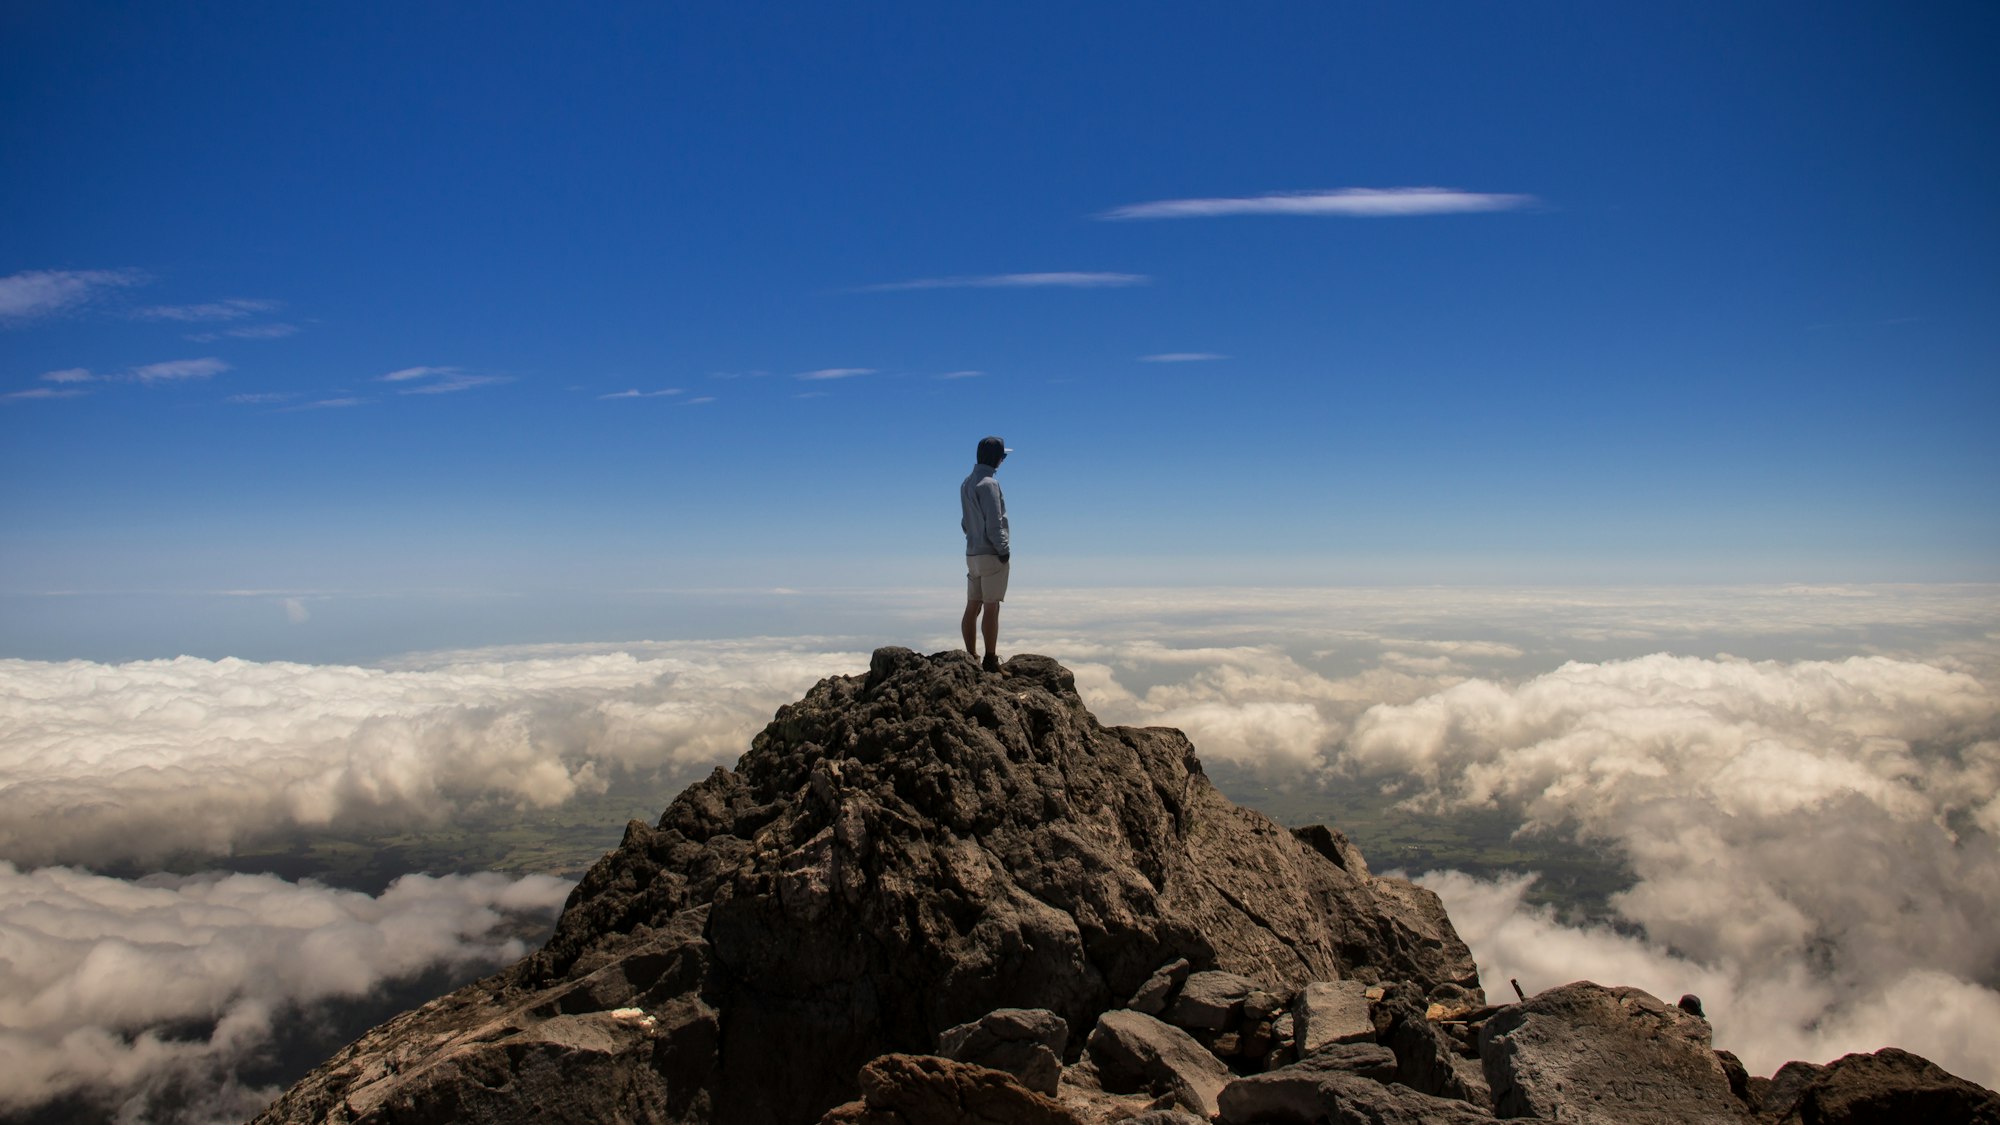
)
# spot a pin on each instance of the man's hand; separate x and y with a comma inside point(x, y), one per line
point(1004, 558)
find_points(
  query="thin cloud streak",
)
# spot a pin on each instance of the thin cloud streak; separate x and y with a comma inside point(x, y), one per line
point(1362, 203)
point(409, 373)
point(1181, 357)
point(176, 370)
point(276, 331)
point(637, 393)
point(41, 393)
point(962, 375)
point(1055, 280)
point(448, 380)
point(236, 308)
point(834, 373)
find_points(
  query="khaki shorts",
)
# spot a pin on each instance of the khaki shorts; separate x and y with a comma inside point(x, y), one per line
point(985, 578)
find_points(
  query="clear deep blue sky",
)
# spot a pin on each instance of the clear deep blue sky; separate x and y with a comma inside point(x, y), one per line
point(1715, 296)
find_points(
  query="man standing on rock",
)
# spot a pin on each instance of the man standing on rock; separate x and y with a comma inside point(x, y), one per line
point(986, 549)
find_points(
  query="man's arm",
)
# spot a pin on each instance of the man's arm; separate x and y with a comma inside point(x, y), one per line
point(993, 508)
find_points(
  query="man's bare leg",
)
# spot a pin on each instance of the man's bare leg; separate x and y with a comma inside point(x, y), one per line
point(967, 623)
point(989, 628)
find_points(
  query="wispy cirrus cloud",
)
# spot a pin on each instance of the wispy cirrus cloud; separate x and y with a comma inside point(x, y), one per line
point(328, 404)
point(69, 375)
point(637, 393)
point(235, 308)
point(33, 393)
point(178, 370)
point(961, 375)
point(834, 373)
point(274, 331)
point(1360, 203)
point(33, 294)
point(1053, 280)
point(1181, 357)
point(441, 380)
point(260, 398)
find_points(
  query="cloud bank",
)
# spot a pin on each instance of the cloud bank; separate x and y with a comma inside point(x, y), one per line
point(1365, 203)
point(96, 967)
point(1817, 842)
point(131, 762)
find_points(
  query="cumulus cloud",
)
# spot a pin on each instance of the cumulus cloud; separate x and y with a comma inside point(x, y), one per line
point(34, 294)
point(1069, 279)
point(1808, 837)
point(1348, 202)
point(106, 981)
point(129, 762)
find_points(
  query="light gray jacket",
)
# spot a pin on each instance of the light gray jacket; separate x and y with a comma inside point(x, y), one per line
point(985, 513)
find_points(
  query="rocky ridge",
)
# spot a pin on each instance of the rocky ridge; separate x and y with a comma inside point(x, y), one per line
point(930, 895)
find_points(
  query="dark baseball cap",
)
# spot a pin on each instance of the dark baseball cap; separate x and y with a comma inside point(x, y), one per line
point(991, 449)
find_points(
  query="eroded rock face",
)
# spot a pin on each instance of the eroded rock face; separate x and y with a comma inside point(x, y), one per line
point(1616, 1056)
point(898, 853)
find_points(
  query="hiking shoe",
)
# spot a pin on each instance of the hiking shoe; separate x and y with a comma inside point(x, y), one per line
point(990, 664)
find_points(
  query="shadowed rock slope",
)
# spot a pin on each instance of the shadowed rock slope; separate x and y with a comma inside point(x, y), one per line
point(897, 854)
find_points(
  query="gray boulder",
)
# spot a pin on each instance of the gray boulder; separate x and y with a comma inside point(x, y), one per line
point(898, 853)
point(1210, 1001)
point(1330, 1012)
point(1618, 1056)
point(928, 1090)
point(1352, 1100)
point(1132, 1051)
point(1025, 1042)
point(1291, 1095)
point(1152, 996)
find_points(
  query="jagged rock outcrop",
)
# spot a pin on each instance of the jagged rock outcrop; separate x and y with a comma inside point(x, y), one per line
point(1888, 1087)
point(898, 853)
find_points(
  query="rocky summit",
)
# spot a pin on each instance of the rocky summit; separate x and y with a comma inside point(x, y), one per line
point(931, 895)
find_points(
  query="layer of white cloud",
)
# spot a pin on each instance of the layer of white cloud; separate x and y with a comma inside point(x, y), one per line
point(107, 762)
point(34, 294)
point(95, 967)
point(1062, 279)
point(1811, 826)
point(1348, 202)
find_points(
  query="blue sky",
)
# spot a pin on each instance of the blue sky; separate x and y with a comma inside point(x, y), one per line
point(1700, 293)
